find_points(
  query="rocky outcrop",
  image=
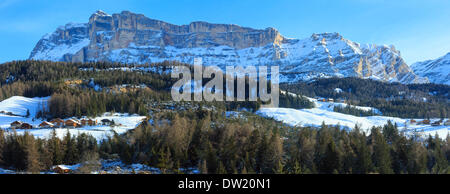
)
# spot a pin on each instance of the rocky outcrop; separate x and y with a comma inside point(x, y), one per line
point(133, 38)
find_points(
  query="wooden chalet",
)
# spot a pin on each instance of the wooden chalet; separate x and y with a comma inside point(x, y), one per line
point(426, 122)
point(57, 122)
point(60, 169)
point(88, 122)
point(26, 126)
point(72, 123)
point(46, 124)
point(16, 124)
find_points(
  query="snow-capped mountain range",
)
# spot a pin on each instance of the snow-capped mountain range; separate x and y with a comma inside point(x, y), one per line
point(438, 70)
point(133, 38)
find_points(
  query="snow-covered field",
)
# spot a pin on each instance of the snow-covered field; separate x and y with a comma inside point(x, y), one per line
point(324, 113)
point(19, 105)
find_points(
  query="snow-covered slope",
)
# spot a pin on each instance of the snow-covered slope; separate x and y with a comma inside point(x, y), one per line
point(323, 113)
point(437, 71)
point(133, 38)
point(19, 105)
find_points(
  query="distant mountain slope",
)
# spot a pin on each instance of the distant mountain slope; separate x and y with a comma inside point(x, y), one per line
point(133, 38)
point(437, 71)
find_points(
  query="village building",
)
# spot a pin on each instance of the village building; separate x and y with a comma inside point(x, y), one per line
point(72, 123)
point(426, 122)
point(88, 122)
point(437, 123)
point(92, 122)
point(60, 169)
point(26, 126)
point(57, 122)
point(46, 124)
point(413, 122)
point(83, 122)
point(16, 124)
point(106, 122)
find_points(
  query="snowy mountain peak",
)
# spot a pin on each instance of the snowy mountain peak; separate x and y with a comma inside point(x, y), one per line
point(438, 70)
point(100, 13)
point(133, 38)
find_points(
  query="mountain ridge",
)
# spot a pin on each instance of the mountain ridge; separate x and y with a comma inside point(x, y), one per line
point(133, 38)
point(437, 70)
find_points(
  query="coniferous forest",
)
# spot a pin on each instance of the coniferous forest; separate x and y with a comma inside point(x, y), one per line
point(392, 99)
point(205, 138)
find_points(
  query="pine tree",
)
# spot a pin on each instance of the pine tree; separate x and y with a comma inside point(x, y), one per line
point(363, 159)
point(297, 168)
point(221, 169)
point(279, 168)
point(2, 145)
point(203, 167)
point(381, 153)
point(417, 158)
point(177, 168)
point(32, 155)
point(71, 153)
point(211, 158)
point(438, 156)
point(330, 161)
point(56, 149)
point(164, 161)
point(90, 163)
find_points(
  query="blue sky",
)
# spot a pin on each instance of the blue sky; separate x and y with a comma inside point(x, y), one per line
point(419, 29)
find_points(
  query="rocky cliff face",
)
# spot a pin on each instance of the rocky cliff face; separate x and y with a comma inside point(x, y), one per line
point(438, 70)
point(133, 38)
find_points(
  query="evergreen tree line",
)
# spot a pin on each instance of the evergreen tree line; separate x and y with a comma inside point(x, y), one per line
point(296, 102)
point(392, 99)
point(215, 145)
point(351, 110)
point(104, 74)
point(92, 104)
